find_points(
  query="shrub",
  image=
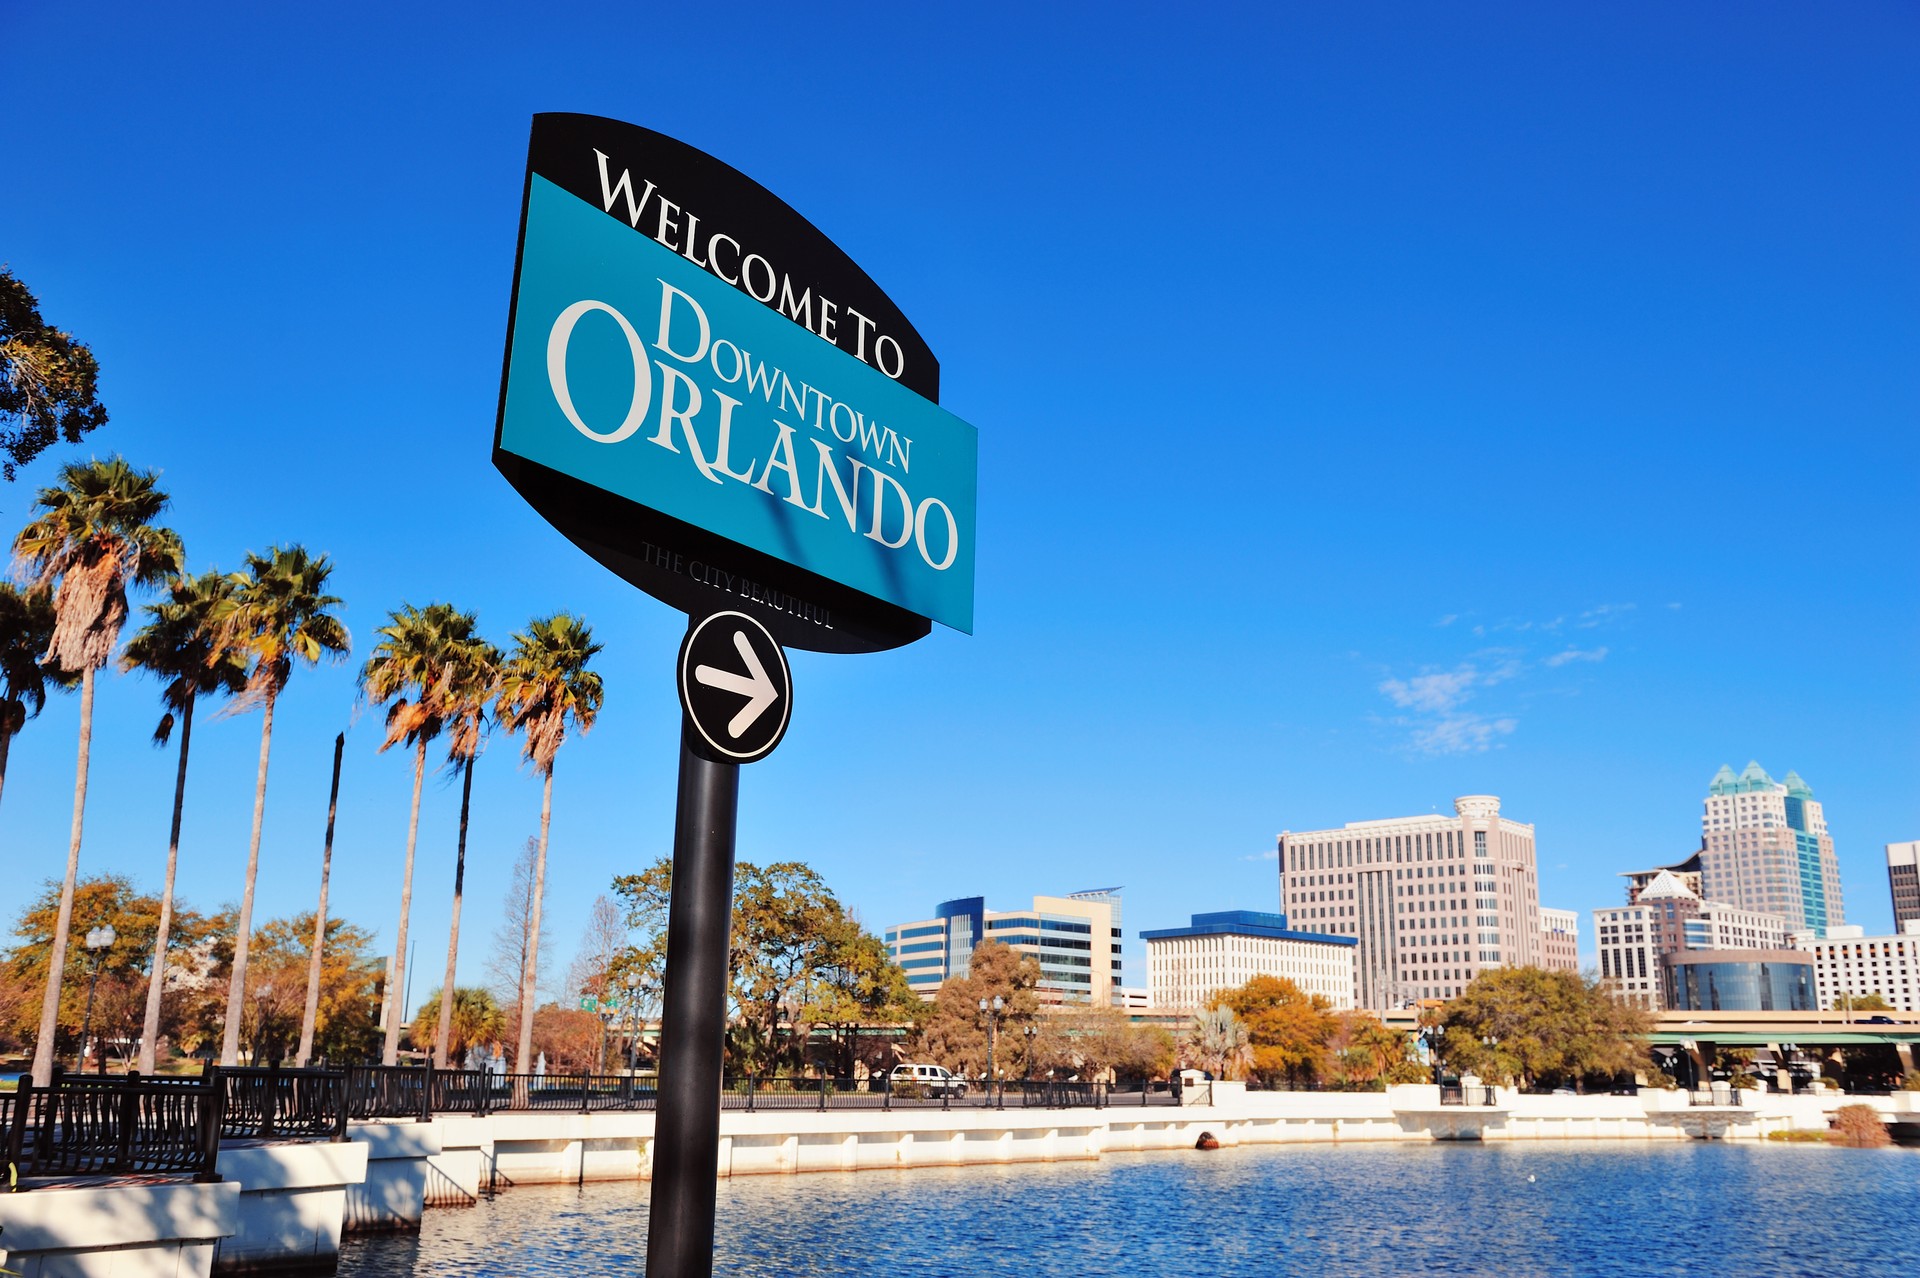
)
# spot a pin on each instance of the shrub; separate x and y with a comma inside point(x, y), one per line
point(1859, 1126)
point(1911, 1082)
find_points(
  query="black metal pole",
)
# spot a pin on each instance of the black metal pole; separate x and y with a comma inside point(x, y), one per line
point(693, 1020)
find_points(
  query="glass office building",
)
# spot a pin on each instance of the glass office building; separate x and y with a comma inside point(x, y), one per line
point(1741, 981)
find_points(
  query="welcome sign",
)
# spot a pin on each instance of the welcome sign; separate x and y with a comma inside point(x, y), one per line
point(707, 395)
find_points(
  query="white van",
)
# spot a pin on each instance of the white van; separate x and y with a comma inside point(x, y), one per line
point(929, 1080)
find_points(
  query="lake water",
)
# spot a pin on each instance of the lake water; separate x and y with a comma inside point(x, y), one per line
point(1698, 1209)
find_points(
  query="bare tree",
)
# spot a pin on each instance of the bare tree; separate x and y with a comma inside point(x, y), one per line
point(512, 940)
point(600, 949)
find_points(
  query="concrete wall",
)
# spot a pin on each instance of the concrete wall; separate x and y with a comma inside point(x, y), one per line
point(121, 1231)
point(293, 1199)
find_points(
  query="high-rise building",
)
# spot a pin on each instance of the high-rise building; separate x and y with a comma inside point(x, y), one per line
point(1430, 900)
point(1075, 938)
point(1559, 939)
point(1846, 962)
point(1764, 847)
point(1903, 878)
point(1665, 918)
point(1186, 965)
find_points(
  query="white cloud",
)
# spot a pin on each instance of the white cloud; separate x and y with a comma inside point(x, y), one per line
point(1271, 854)
point(1462, 734)
point(1432, 692)
point(1600, 614)
point(1559, 659)
point(1448, 620)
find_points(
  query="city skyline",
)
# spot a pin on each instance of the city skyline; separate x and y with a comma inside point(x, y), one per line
point(1473, 468)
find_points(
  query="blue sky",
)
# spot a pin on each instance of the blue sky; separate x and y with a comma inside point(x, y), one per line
point(1374, 407)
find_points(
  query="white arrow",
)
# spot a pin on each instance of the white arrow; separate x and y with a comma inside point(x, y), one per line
point(754, 686)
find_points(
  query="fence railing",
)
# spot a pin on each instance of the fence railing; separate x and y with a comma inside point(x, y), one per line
point(285, 1104)
point(117, 1125)
point(882, 1093)
point(1456, 1094)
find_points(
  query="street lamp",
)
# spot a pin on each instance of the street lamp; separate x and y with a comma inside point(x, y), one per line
point(99, 941)
point(993, 1011)
point(1031, 1032)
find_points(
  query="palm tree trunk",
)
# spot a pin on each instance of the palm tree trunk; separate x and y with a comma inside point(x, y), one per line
point(396, 993)
point(157, 977)
point(63, 924)
point(6, 745)
point(441, 1039)
point(237, 987)
point(312, 1012)
point(529, 975)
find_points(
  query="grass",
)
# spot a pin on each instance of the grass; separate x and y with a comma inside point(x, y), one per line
point(1800, 1137)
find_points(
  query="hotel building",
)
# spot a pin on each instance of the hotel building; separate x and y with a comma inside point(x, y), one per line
point(1903, 879)
point(1664, 922)
point(1075, 938)
point(1764, 847)
point(1187, 965)
point(1430, 900)
point(1846, 961)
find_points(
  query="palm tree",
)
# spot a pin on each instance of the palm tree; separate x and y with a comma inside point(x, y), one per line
point(181, 646)
point(94, 536)
point(472, 679)
point(414, 656)
point(26, 628)
point(544, 687)
point(278, 613)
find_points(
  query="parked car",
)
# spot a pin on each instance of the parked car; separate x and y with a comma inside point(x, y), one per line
point(930, 1080)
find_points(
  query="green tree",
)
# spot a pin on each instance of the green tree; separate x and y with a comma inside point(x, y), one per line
point(1873, 1002)
point(416, 651)
point(94, 536)
point(26, 628)
point(545, 689)
point(1287, 1028)
point(476, 1021)
point(182, 647)
point(1366, 1054)
point(1218, 1040)
point(277, 614)
point(855, 988)
point(471, 680)
point(48, 381)
point(1532, 1026)
point(796, 959)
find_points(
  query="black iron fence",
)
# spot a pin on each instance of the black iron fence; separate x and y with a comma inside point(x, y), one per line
point(883, 1093)
point(128, 1124)
point(1457, 1094)
point(282, 1104)
point(116, 1125)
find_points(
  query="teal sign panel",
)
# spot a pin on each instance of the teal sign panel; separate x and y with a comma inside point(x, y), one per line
point(708, 389)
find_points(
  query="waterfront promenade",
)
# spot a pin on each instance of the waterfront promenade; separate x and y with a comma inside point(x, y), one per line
point(284, 1205)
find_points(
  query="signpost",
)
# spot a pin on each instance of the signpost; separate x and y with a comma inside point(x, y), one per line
point(706, 395)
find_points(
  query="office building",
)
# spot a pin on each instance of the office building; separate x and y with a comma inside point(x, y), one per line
point(1849, 963)
point(1903, 879)
point(1430, 900)
point(1076, 939)
point(1186, 965)
point(1740, 981)
point(1559, 939)
point(1764, 847)
point(1637, 942)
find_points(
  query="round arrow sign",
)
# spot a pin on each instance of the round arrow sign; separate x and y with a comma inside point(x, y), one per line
point(735, 686)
